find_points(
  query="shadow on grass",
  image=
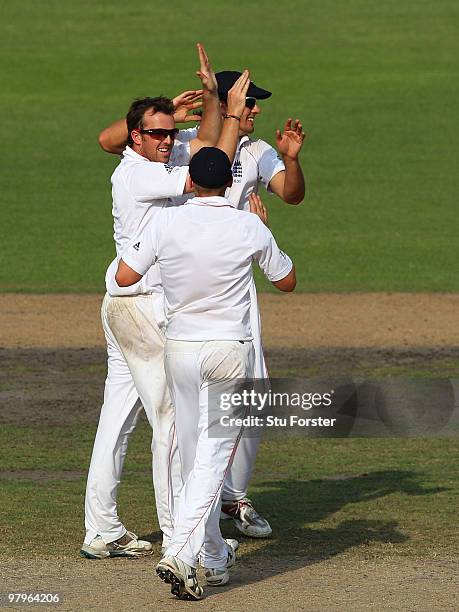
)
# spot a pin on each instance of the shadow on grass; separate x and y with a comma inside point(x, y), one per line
point(291, 505)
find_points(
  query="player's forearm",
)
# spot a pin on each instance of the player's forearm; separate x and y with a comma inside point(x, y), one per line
point(294, 184)
point(229, 137)
point(114, 138)
point(211, 123)
point(235, 105)
point(288, 283)
point(125, 276)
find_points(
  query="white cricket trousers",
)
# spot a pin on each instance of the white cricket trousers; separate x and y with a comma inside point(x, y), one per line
point(191, 368)
point(237, 481)
point(135, 347)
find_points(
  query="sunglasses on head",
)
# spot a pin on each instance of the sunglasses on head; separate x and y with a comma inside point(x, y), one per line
point(250, 102)
point(160, 133)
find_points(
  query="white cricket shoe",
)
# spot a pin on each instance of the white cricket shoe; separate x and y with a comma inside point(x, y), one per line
point(246, 518)
point(97, 549)
point(181, 576)
point(219, 576)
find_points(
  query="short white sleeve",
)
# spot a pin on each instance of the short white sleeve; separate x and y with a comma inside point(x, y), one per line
point(153, 180)
point(269, 163)
point(141, 253)
point(274, 263)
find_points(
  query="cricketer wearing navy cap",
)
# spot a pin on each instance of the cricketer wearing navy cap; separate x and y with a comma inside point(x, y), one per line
point(226, 80)
point(204, 250)
point(211, 168)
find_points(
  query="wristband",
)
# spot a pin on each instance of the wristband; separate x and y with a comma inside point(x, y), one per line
point(232, 117)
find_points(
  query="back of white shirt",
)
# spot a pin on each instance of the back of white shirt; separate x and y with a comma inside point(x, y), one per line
point(205, 250)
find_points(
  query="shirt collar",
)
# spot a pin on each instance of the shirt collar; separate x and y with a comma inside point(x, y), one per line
point(242, 141)
point(211, 201)
point(129, 152)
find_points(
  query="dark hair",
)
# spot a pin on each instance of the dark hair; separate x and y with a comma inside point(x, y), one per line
point(134, 117)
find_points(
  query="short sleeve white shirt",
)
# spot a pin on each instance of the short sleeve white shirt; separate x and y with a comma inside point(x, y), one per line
point(255, 162)
point(204, 250)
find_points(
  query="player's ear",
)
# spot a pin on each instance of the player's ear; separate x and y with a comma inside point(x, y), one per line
point(229, 183)
point(189, 185)
point(136, 137)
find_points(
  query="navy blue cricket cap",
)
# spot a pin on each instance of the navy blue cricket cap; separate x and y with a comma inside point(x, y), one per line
point(210, 168)
point(226, 80)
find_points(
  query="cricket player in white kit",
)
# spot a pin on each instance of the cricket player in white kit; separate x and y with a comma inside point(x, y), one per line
point(152, 172)
point(256, 163)
point(204, 250)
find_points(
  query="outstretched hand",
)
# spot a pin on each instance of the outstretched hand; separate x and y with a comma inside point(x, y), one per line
point(187, 101)
point(291, 140)
point(258, 208)
point(205, 72)
point(235, 102)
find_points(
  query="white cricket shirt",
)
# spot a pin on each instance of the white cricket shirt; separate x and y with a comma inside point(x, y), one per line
point(140, 189)
point(204, 250)
point(255, 162)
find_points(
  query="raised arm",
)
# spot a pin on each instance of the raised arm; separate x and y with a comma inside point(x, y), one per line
point(229, 137)
point(113, 139)
point(211, 121)
point(289, 184)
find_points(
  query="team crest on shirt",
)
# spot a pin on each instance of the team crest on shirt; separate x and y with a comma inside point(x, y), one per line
point(237, 171)
point(168, 168)
point(136, 246)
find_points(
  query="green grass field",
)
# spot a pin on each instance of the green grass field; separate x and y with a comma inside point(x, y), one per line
point(323, 497)
point(375, 85)
point(363, 497)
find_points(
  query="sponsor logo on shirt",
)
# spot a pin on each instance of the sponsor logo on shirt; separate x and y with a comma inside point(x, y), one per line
point(168, 168)
point(136, 246)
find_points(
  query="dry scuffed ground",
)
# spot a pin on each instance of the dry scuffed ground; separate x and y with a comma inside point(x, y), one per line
point(334, 585)
point(40, 330)
point(289, 321)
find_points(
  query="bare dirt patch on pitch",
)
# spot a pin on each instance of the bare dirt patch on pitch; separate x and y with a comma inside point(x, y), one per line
point(52, 370)
point(294, 321)
point(335, 584)
point(53, 363)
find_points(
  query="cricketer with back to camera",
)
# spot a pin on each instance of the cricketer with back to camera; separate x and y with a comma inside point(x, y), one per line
point(208, 342)
point(256, 163)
